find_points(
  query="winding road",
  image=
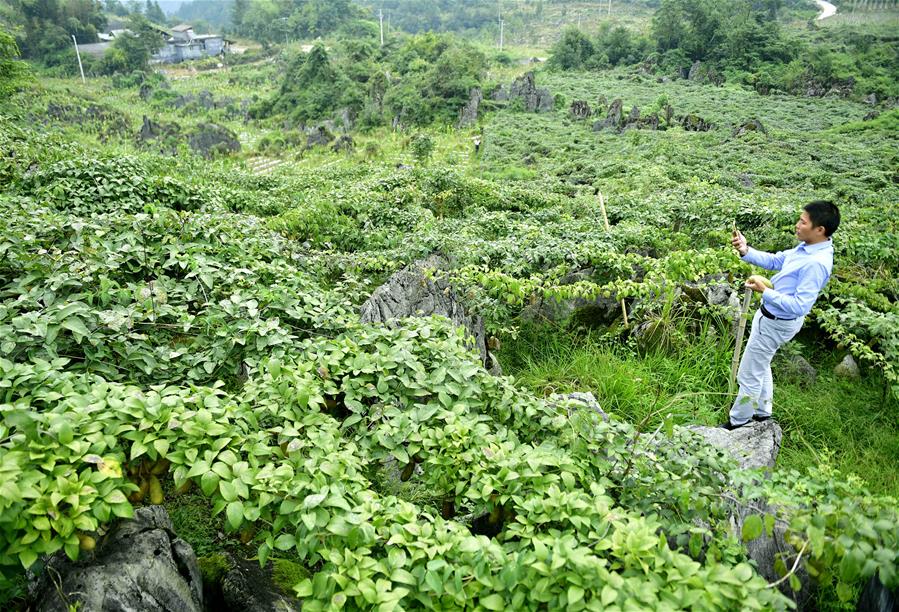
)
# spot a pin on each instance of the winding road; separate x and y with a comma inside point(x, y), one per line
point(827, 9)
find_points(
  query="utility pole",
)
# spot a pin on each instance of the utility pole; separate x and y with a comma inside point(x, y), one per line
point(78, 55)
point(499, 15)
point(610, 8)
point(381, 21)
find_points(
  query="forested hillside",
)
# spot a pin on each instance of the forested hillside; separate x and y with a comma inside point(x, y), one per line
point(198, 262)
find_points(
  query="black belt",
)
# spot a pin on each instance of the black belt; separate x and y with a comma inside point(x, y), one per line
point(767, 314)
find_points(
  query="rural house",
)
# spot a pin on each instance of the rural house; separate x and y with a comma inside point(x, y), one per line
point(183, 44)
point(180, 43)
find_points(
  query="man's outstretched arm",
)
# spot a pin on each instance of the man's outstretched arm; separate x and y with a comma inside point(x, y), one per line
point(761, 259)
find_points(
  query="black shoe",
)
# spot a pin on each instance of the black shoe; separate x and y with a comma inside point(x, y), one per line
point(730, 426)
point(760, 419)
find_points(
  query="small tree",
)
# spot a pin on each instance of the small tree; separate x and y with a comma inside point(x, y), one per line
point(13, 72)
point(572, 51)
point(422, 147)
point(132, 50)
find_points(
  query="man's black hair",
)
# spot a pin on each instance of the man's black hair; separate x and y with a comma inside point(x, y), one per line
point(825, 214)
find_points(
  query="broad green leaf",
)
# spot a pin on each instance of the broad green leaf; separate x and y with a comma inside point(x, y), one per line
point(234, 512)
point(752, 527)
point(285, 541)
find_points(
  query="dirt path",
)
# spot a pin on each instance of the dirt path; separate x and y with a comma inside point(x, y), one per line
point(827, 9)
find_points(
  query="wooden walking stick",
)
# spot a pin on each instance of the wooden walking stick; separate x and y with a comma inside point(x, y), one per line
point(741, 326)
point(605, 218)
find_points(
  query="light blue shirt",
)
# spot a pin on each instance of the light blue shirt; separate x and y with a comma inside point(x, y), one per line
point(804, 271)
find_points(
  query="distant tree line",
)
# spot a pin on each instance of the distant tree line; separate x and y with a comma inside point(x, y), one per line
point(43, 29)
point(273, 21)
point(743, 40)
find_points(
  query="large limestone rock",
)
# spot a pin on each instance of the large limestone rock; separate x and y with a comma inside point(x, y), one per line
point(695, 123)
point(318, 136)
point(580, 110)
point(139, 566)
point(534, 99)
point(798, 369)
point(756, 445)
point(410, 293)
point(468, 114)
point(613, 118)
point(752, 125)
point(210, 140)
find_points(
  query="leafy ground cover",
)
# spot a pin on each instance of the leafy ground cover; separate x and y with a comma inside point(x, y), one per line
point(167, 314)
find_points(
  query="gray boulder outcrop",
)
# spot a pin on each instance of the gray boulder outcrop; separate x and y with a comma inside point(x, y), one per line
point(847, 368)
point(633, 118)
point(876, 597)
point(468, 114)
point(613, 117)
point(410, 292)
point(695, 123)
point(140, 566)
point(797, 369)
point(344, 144)
point(756, 445)
point(595, 312)
point(318, 136)
point(752, 125)
point(580, 110)
point(210, 140)
point(524, 88)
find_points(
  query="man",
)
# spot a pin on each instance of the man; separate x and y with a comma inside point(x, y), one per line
point(804, 271)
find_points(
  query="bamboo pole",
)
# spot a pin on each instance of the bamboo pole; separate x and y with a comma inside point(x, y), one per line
point(605, 218)
point(741, 327)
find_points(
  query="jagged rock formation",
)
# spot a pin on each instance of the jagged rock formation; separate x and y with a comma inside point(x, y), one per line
point(318, 136)
point(702, 73)
point(613, 117)
point(580, 110)
point(797, 368)
point(596, 312)
point(165, 137)
point(410, 293)
point(524, 88)
point(210, 140)
point(468, 114)
point(695, 123)
point(139, 565)
point(344, 144)
point(847, 368)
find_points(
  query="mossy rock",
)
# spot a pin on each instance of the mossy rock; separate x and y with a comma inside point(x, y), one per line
point(232, 583)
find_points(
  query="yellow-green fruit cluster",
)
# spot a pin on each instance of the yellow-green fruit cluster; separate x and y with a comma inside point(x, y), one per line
point(758, 278)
